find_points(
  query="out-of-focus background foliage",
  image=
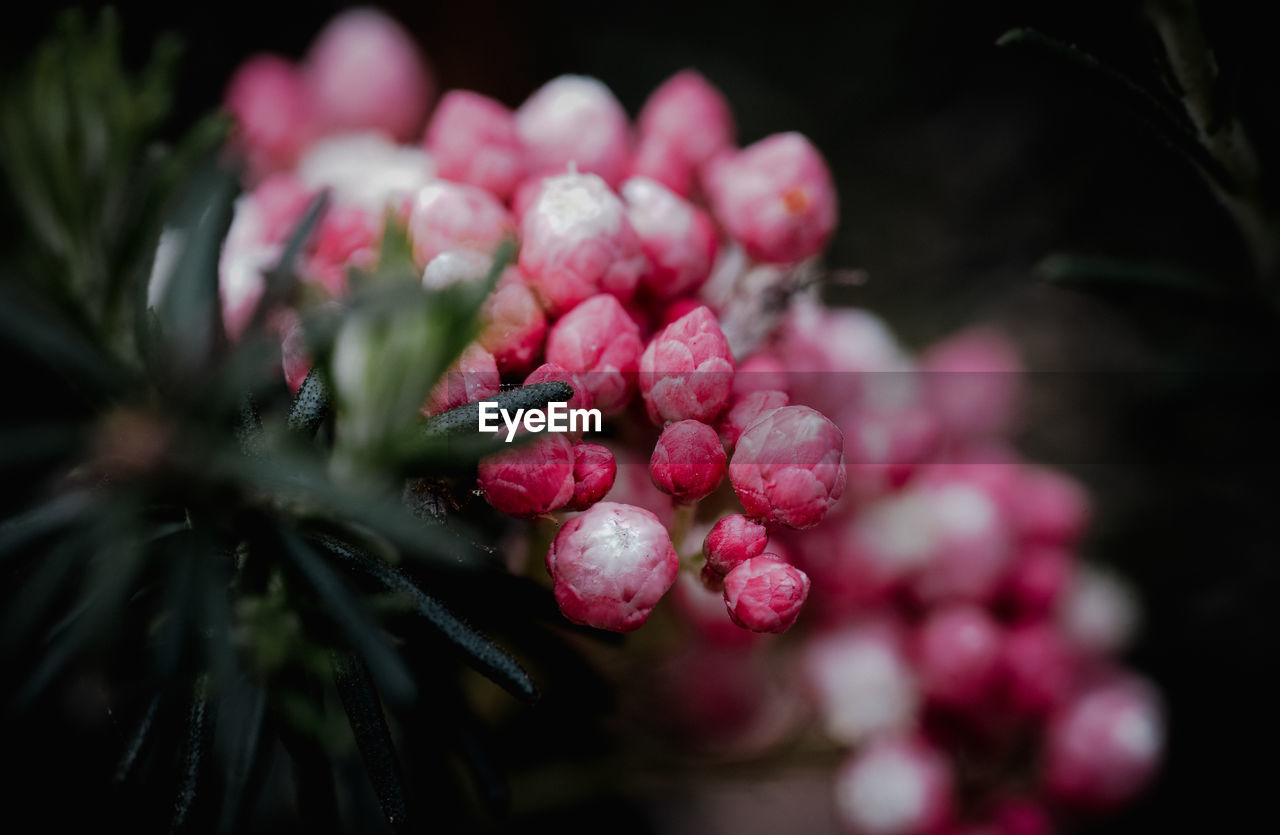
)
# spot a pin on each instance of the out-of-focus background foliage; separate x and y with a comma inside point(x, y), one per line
point(961, 166)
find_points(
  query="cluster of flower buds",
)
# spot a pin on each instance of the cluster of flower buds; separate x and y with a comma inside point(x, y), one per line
point(756, 458)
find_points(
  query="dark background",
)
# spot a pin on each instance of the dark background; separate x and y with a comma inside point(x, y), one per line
point(960, 166)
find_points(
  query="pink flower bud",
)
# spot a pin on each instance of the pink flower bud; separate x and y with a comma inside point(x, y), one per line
point(733, 540)
point(745, 411)
point(660, 159)
point(514, 326)
point(894, 786)
point(861, 682)
point(1037, 581)
point(549, 372)
point(686, 372)
point(678, 309)
point(473, 139)
point(972, 543)
point(688, 461)
point(473, 376)
point(1038, 669)
point(600, 342)
point(451, 216)
point(270, 105)
point(611, 565)
point(760, 372)
point(677, 238)
point(593, 473)
point(294, 356)
point(1104, 747)
point(530, 479)
point(884, 448)
point(788, 467)
point(577, 242)
point(764, 594)
point(365, 72)
point(366, 170)
point(775, 197)
point(574, 119)
point(1100, 613)
point(1049, 506)
point(689, 113)
point(958, 656)
point(347, 237)
point(973, 382)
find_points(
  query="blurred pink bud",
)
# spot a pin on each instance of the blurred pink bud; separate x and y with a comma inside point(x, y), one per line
point(473, 376)
point(733, 540)
point(611, 565)
point(1100, 613)
point(365, 72)
point(594, 471)
point(347, 237)
point(745, 411)
point(884, 448)
point(660, 159)
point(601, 343)
point(1037, 580)
point(688, 461)
point(577, 242)
point(690, 113)
point(686, 372)
point(677, 237)
point(760, 372)
point(295, 357)
point(549, 372)
point(765, 594)
point(1021, 816)
point(513, 324)
point(366, 170)
point(973, 546)
point(1049, 506)
point(1038, 669)
point(861, 682)
point(473, 140)
point(574, 119)
point(973, 383)
point(272, 111)
point(678, 309)
point(530, 479)
point(1104, 747)
point(788, 467)
point(894, 786)
point(775, 197)
point(454, 216)
point(958, 656)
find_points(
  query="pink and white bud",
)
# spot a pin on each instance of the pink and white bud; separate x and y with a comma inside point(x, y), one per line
point(594, 470)
point(1038, 669)
point(746, 410)
point(678, 238)
point(530, 479)
point(454, 216)
point(611, 566)
point(861, 682)
point(347, 237)
point(549, 372)
point(364, 72)
point(366, 170)
point(473, 140)
point(686, 372)
point(513, 326)
point(973, 543)
point(973, 382)
point(691, 115)
point(894, 786)
point(1037, 580)
point(601, 343)
point(1104, 747)
point(788, 467)
point(775, 197)
point(577, 242)
point(1100, 613)
point(272, 111)
point(732, 541)
point(760, 372)
point(1050, 507)
point(659, 159)
point(575, 120)
point(885, 448)
point(473, 376)
point(688, 461)
point(765, 594)
point(958, 656)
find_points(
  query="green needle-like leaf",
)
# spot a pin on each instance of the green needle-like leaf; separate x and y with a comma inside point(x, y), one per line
point(200, 726)
point(312, 405)
point(373, 737)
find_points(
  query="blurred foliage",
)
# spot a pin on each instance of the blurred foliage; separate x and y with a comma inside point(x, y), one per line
point(220, 556)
